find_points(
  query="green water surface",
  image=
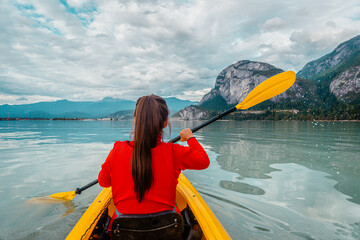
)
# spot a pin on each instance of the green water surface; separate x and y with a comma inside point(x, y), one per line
point(266, 180)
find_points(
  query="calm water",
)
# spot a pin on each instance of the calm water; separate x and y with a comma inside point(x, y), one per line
point(266, 180)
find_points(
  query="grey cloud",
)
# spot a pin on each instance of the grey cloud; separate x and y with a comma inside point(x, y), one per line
point(310, 42)
point(130, 48)
point(274, 24)
point(21, 99)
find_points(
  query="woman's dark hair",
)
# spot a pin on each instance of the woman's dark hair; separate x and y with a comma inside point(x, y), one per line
point(150, 114)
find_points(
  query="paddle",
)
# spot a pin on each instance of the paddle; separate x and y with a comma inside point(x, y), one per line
point(70, 195)
point(264, 91)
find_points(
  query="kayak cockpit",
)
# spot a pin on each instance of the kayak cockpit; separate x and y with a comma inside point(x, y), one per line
point(162, 225)
point(157, 226)
point(198, 221)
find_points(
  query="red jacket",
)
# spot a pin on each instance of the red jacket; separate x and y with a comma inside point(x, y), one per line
point(168, 160)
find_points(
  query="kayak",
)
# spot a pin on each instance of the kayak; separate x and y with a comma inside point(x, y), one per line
point(203, 221)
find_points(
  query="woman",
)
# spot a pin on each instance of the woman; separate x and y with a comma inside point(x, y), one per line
point(143, 173)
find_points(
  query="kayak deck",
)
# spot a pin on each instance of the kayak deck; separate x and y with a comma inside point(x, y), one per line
point(186, 195)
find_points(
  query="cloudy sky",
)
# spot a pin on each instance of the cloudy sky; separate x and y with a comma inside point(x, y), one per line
point(84, 50)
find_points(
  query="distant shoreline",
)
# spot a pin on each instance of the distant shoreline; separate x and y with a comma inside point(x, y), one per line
point(174, 119)
point(335, 120)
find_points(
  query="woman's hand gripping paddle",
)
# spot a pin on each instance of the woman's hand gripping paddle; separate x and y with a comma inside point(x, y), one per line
point(264, 91)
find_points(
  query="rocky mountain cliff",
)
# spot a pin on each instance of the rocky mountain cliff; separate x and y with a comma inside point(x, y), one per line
point(326, 87)
point(342, 53)
point(337, 73)
point(192, 112)
point(235, 82)
point(346, 85)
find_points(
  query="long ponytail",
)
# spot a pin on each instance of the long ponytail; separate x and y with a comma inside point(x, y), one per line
point(150, 115)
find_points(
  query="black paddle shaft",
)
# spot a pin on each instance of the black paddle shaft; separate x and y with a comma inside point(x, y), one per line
point(195, 129)
point(79, 190)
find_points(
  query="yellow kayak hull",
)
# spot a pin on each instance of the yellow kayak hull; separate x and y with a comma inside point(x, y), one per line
point(186, 195)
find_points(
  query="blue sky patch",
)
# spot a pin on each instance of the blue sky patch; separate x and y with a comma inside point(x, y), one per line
point(85, 9)
point(41, 21)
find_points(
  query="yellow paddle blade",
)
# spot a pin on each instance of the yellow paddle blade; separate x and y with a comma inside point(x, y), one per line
point(64, 195)
point(268, 89)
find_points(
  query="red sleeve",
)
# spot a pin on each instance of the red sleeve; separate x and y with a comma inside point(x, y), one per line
point(192, 157)
point(104, 174)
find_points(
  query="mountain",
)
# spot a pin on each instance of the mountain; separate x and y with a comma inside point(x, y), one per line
point(346, 85)
point(343, 53)
point(235, 82)
point(89, 109)
point(327, 88)
point(337, 73)
point(193, 112)
point(65, 109)
point(122, 115)
point(174, 105)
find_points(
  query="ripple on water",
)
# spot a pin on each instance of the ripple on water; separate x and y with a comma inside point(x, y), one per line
point(241, 187)
point(266, 180)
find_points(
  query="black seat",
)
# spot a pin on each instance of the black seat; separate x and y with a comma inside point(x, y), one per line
point(160, 226)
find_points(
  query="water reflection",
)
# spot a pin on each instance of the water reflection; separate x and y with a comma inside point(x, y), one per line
point(222, 199)
point(296, 203)
point(241, 187)
point(48, 201)
point(286, 180)
point(251, 148)
point(266, 180)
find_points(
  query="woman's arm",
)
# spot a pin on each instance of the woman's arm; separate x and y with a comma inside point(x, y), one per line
point(191, 157)
point(104, 174)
